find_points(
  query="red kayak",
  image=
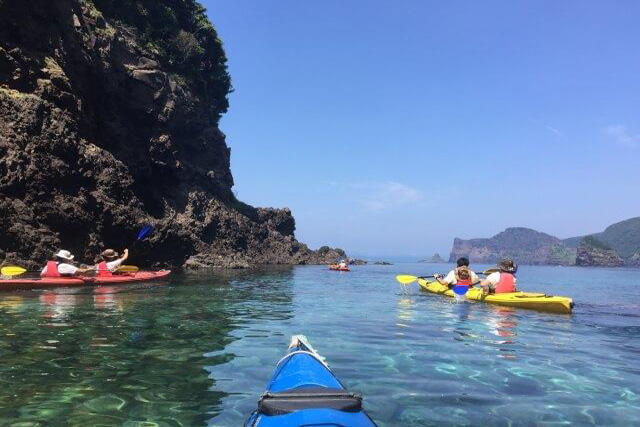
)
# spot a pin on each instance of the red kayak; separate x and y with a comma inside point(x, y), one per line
point(336, 267)
point(57, 282)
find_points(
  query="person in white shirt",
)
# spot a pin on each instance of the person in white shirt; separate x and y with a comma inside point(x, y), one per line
point(110, 261)
point(62, 266)
point(343, 264)
point(461, 273)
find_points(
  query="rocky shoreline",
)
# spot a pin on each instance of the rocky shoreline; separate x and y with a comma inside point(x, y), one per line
point(108, 121)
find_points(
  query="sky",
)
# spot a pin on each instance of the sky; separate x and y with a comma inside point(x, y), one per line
point(389, 128)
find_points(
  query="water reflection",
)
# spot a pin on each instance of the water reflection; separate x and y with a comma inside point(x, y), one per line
point(405, 313)
point(118, 354)
point(257, 303)
point(502, 322)
point(58, 304)
point(11, 303)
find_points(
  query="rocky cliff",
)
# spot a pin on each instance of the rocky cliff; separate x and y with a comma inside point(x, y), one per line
point(524, 245)
point(592, 252)
point(109, 120)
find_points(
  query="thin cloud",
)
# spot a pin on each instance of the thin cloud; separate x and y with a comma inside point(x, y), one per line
point(622, 136)
point(554, 130)
point(384, 195)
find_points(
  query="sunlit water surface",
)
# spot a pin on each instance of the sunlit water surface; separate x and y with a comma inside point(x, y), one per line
point(199, 349)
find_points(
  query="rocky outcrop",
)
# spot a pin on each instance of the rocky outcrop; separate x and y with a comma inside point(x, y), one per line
point(634, 261)
point(592, 252)
point(623, 237)
point(109, 120)
point(436, 259)
point(524, 245)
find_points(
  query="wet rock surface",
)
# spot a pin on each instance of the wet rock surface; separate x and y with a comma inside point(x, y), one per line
point(108, 121)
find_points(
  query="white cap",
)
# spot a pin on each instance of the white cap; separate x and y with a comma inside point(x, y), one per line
point(64, 254)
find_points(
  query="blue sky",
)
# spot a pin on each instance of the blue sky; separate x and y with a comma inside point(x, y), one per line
point(393, 127)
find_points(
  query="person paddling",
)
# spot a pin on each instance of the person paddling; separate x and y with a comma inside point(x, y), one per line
point(61, 266)
point(503, 281)
point(459, 276)
point(343, 264)
point(110, 262)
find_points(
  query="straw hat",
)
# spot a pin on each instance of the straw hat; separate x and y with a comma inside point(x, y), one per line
point(109, 254)
point(508, 266)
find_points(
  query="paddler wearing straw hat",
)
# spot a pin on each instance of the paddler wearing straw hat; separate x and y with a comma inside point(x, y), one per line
point(502, 281)
point(110, 261)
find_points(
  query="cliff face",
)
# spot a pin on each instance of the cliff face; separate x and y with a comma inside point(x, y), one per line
point(109, 120)
point(592, 252)
point(524, 245)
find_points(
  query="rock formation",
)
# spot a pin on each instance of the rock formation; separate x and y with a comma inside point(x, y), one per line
point(436, 259)
point(109, 120)
point(623, 237)
point(634, 261)
point(592, 252)
point(524, 245)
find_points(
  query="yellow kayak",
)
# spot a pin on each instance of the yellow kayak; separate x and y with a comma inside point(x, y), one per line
point(535, 301)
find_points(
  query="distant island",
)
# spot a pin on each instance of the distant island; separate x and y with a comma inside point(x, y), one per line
point(618, 245)
point(436, 258)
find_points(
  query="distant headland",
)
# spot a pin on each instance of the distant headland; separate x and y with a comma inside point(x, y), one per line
point(618, 245)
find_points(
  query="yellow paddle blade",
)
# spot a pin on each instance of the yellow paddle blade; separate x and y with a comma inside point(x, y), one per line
point(12, 270)
point(405, 279)
point(127, 269)
point(490, 270)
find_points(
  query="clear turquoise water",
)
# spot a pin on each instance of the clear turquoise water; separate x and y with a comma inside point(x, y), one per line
point(199, 349)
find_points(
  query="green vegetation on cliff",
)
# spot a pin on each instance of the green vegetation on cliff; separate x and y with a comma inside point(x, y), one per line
point(180, 33)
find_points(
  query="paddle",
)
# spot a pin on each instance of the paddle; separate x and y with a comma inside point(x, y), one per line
point(12, 270)
point(127, 269)
point(144, 231)
point(405, 279)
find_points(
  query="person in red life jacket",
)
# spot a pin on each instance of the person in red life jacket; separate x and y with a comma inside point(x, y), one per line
point(503, 281)
point(110, 262)
point(459, 276)
point(61, 266)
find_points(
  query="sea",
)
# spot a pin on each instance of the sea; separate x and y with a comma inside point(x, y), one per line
point(199, 348)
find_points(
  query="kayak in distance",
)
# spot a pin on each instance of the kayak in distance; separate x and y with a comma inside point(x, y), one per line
point(336, 267)
point(57, 282)
point(304, 392)
point(530, 300)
